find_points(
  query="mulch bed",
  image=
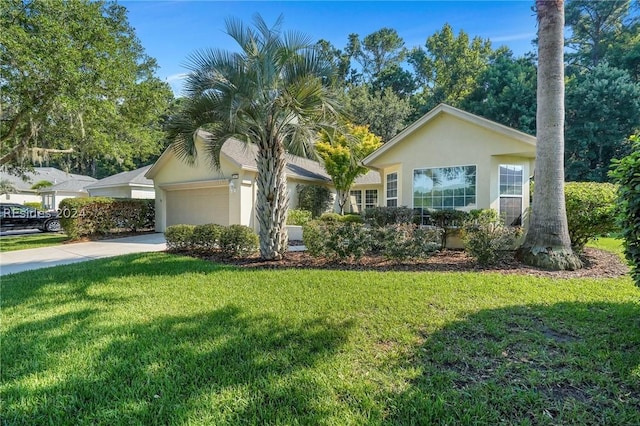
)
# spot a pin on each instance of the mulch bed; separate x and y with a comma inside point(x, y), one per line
point(598, 264)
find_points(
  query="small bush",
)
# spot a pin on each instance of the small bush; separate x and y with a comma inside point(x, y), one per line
point(238, 241)
point(206, 237)
point(485, 237)
point(408, 241)
point(179, 237)
point(298, 217)
point(330, 217)
point(34, 205)
point(591, 211)
point(336, 240)
point(449, 221)
point(351, 217)
point(383, 216)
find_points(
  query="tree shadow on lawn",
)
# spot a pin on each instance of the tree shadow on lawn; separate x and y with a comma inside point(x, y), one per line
point(72, 282)
point(567, 363)
point(223, 366)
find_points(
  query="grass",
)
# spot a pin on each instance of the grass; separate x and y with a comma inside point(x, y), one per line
point(162, 339)
point(22, 242)
point(613, 245)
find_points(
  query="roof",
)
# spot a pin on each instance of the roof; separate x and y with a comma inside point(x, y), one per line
point(72, 185)
point(51, 174)
point(131, 178)
point(372, 177)
point(463, 115)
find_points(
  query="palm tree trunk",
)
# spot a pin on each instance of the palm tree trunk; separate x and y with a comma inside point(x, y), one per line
point(272, 200)
point(547, 243)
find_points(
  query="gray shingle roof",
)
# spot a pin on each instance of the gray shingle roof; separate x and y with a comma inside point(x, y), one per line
point(72, 185)
point(244, 155)
point(51, 174)
point(133, 177)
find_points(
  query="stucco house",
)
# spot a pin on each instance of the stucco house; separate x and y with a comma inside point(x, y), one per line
point(450, 158)
point(65, 185)
point(447, 159)
point(131, 184)
point(198, 193)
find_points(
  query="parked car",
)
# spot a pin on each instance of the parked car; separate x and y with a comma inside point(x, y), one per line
point(16, 216)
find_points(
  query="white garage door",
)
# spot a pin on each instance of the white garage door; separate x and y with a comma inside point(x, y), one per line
point(198, 206)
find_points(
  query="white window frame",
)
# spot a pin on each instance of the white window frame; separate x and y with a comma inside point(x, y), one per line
point(386, 187)
point(368, 205)
point(501, 195)
point(358, 205)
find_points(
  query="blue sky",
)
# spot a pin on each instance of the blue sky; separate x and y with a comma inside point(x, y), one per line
point(171, 30)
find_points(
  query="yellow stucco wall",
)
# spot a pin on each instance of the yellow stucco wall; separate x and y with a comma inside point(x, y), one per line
point(447, 140)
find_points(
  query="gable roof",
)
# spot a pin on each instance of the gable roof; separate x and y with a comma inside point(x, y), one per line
point(50, 174)
point(458, 113)
point(131, 178)
point(78, 184)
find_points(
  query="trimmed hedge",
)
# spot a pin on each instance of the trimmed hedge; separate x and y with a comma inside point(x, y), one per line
point(91, 216)
point(230, 241)
point(591, 211)
point(383, 216)
point(298, 217)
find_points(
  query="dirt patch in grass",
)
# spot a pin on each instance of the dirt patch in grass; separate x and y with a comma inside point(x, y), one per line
point(598, 264)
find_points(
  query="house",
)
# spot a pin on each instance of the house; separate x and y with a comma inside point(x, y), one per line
point(64, 185)
point(451, 159)
point(447, 159)
point(131, 184)
point(198, 193)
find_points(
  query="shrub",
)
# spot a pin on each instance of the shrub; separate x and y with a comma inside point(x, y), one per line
point(101, 216)
point(449, 221)
point(330, 217)
point(238, 241)
point(351, 217)
point(626, 172)
point(408, 241)
point(591, 211)
point(314, 198)
point(298, 217)
point(383, 216)
point(179, 237)
point(34, 205)
point(336, 240)
point(206, 237)
point(485, 236)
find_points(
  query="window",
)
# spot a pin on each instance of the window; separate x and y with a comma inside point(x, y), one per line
point(356, 201)
point(371, 198)
point(392, 190)
point(511, 194)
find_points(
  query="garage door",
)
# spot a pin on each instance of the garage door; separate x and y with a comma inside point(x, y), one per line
point(198, 206)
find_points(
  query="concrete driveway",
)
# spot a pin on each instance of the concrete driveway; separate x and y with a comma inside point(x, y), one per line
point(63, 254)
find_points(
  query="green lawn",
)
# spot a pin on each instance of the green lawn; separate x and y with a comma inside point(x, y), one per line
point(609, 244)
point(164, 339)
point(22, 242)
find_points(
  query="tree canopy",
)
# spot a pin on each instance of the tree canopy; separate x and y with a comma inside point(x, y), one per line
point(75, 80)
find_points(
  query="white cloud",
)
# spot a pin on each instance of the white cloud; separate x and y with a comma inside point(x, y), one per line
point(175, 81)
point(513, 37)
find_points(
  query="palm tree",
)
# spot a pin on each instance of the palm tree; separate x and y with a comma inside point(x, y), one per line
point(275, 94)
point(547, 243)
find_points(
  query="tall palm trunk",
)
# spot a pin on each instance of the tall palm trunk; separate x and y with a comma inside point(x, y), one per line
point(272, 200)
point(547, 243)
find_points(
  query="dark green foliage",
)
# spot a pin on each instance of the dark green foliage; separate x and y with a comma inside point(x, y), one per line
point(449, 221)
point(383, 216)
point(485, 237)
point(408, 241)
point(330, 217)
point(238, 241)
point(98, 216)
point(602, 110)
point(298, 217)
point(179, 237)
point(336, 240)
point(335, 217)
point(207, 237)
point(591, 211)
point(626, 172)
point(314, 198)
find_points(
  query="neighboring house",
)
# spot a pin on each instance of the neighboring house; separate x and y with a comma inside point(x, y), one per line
point(451, 159)
point(447, 159)
point(47, 196)
point(72, 188)
point(198, 193)
point(132, 184)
